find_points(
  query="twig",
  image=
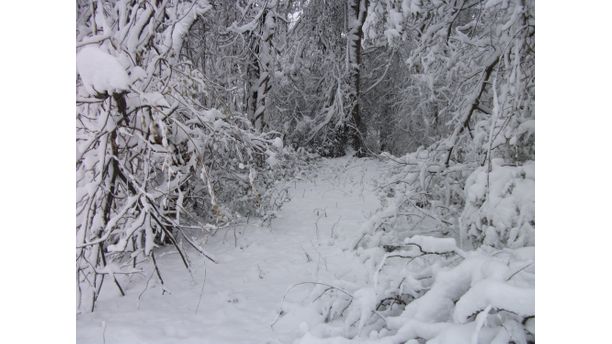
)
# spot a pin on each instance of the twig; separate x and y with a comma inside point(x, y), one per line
point(430, 215)
point(201, 291)
point(519, 270)
point(103, 332)
point(334, 226)
point(395, 299)
point(201, 251)
point(117, 284)
point(144, 290)
point(359, 241)
point(323, 293)
point(161, 280)
point(281, 312)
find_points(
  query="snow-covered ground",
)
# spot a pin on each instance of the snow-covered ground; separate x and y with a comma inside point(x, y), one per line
point(238, 299)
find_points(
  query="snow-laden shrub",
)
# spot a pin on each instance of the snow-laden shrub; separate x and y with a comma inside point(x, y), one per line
point(499, 209)
point(419, 196)
point(153, 165)
point(437, 274)
point(428, 290)
point(429, 283)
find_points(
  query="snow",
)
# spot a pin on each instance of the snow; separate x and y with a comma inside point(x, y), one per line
point(100, 71)
point(277, 142)
point(154, 99)
point(501, 203)
point(497, 294)
point(394, 29)
point(431, 244)
point(180, 28)
point(481, 320)
point(210, 115)
point(137, 74)
point(272, 160)
point(437, 304)
point(242, 293)
point(492, 3)
point(366, 301)
point(300, 280)
point(463, 334)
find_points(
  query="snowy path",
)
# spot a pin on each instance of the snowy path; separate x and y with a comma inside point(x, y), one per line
point(243, 292)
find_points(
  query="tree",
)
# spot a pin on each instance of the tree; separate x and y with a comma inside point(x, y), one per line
point(357, 11)
point(260, 69)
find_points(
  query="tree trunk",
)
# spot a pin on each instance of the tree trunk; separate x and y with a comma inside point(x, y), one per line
point(357, 13)
point(253, 73)
point(260, 69)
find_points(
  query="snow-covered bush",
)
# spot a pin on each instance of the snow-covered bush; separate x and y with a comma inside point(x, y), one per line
point(499, 208)
point(451, 251)
point(153, 164)
point(429, 290)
